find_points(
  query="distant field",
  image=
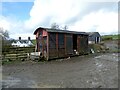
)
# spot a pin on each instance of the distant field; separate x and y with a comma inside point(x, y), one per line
point(34, 41)
point(111, 37)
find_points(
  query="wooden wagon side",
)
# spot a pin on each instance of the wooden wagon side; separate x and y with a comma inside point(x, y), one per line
point(59, 43)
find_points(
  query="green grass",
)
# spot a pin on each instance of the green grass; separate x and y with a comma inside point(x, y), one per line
point(111, 37)
point(34, 41)
point(4, 62)
point(114, 51)
point(97, 47)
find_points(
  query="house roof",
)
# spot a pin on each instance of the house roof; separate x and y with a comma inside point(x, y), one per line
point(22, 43)
point(59, 31)
point(92, 33)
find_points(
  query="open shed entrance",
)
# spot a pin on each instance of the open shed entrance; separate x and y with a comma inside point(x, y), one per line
point(74, 42)
point(97, 39)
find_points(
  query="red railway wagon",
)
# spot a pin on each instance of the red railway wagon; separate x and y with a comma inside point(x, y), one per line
point(55, 43)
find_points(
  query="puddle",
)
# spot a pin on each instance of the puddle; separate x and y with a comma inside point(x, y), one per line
point(112, 57)
point(115, 54)
point(99, 64)
point(45, 86)
point(98, 56)
point(93, 83)
point(12, 82)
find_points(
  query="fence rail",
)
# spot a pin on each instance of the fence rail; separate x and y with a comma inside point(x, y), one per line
point(16, 53)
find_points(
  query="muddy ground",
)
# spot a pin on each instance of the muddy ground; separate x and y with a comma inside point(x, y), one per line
point(90, 71)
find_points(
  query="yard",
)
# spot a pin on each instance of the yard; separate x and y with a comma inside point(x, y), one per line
point(88, 71)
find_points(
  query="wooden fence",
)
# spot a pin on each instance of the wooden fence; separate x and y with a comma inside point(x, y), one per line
point(17, 53)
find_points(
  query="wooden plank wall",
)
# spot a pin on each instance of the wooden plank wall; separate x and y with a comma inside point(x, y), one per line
point(61, 47)
point(69, 44)
point(78, 43)
point(53, 52)
point(83, 44)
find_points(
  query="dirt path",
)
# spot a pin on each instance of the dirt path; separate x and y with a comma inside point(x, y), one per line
point(93, 71)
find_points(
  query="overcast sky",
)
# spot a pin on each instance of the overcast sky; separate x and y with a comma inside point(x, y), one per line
point(22, 17)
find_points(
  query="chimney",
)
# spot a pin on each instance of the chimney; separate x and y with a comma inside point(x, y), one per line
point(29, 38)
point(19, 38)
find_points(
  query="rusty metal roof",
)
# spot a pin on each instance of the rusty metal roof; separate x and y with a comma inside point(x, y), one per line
point(59, 31)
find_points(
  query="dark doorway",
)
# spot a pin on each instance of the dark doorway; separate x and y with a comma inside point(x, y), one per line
point(74, 42)
point(97, 39)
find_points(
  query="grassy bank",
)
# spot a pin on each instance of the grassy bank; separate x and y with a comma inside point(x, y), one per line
point(110, 37)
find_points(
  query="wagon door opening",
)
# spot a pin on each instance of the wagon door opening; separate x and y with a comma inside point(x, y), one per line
point(43, 43)
point(74, 42)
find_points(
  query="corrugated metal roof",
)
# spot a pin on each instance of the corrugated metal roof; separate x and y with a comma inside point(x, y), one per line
point(91, 33)
point(59, 31)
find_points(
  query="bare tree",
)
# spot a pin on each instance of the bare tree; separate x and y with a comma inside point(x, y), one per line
point(4, 33)
point(55, 26)
point(65, 27)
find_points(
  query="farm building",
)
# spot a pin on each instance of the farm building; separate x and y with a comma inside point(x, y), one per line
point(55, 43)
point(94, 37)
point(22, 43)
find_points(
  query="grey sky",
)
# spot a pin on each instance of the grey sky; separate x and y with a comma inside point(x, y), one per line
point(78, 15)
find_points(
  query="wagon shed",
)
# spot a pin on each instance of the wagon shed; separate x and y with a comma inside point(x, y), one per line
point(94, 37)
point(55, 43)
